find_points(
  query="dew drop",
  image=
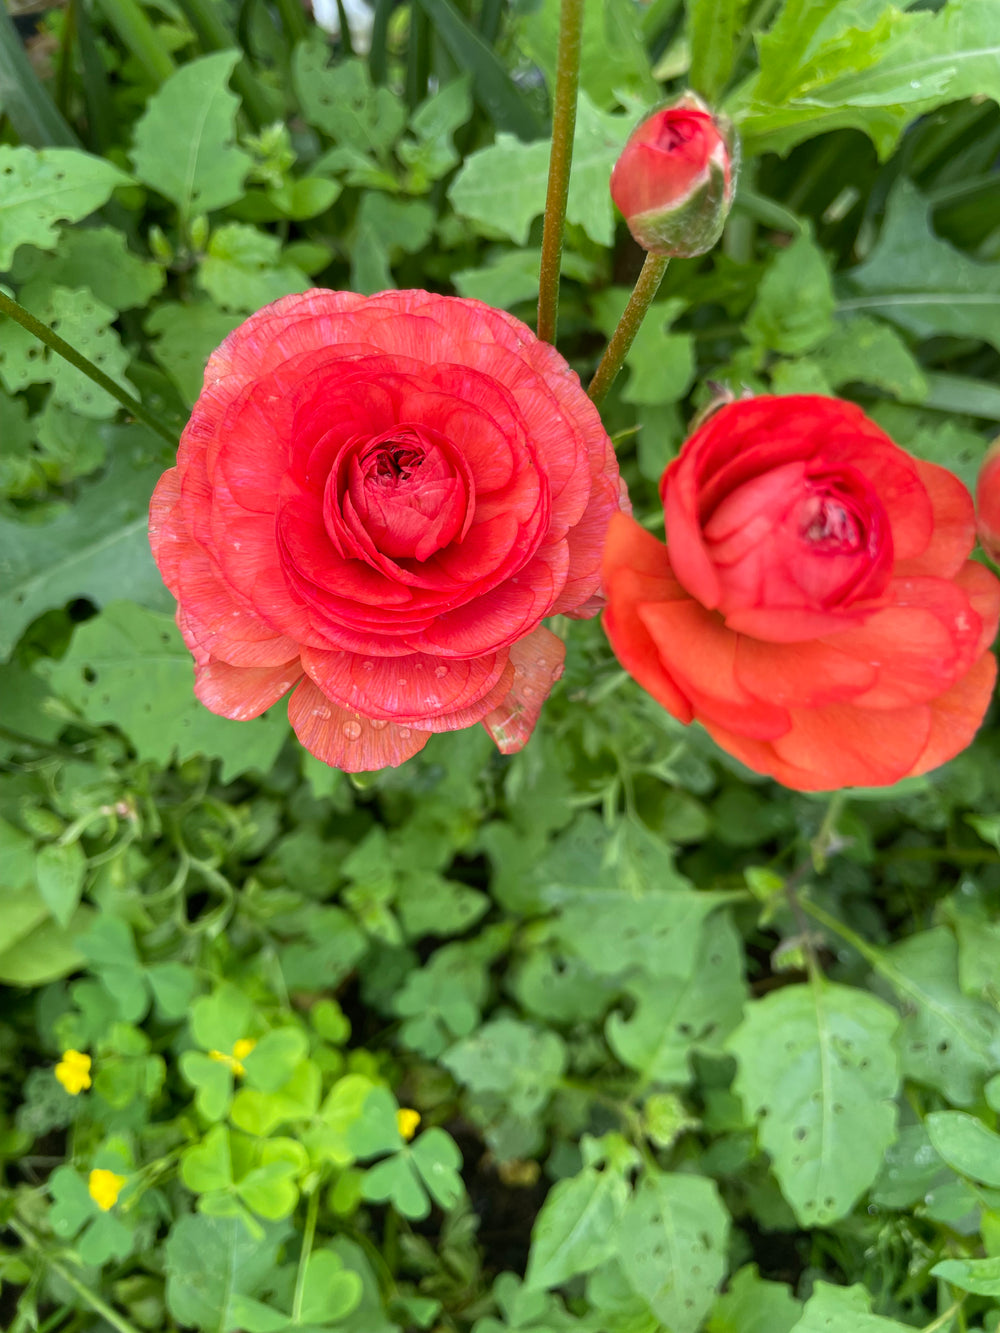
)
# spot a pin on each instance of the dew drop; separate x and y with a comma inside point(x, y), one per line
point(352, 730)
point(541, 662)
point(402, 682)
point(528, 691)
point(404, 732)
point(441, 671)
point(321, 711)
point(368, 666)
point(377, 723)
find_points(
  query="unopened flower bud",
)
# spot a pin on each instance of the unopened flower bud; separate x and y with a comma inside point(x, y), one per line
point(988, 502)
point(675, 179)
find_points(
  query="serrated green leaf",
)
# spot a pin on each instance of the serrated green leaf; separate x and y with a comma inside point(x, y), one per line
point(243, 269)
point(753, 1305)
point(843, 1310)
point(947, 1040)
point(186, 336)
point(129, 667)
point(519, 1062)
point(793, 312)
point(672, 1245)
point(865, 351)
point(340, 100)
point(612, 53)
point(503, 186)
point(661, 364)
point(185, 142)
point(674, 1016)
point(920, 282)
point(98, 549)
point(99, 259)
point(41, 188)
point(821, 1093)
point(84, 322)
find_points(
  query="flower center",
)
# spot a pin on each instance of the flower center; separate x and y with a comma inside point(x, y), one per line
point(825, 523)
point(391, 463)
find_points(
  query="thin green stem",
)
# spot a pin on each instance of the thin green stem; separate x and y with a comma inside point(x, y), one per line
point(69, 353)
point(100, 1307)
point(293, 20)
point(560, 162)
point(308, 1236)
point(943, 1320)
point(646, 287)
point(129, 21)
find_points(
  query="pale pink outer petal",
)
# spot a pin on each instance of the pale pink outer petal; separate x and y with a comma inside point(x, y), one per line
point(538, 661)
point(347, 740)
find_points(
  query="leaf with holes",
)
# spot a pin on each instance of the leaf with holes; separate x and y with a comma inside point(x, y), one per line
point(844, 1310)
point(948, 1040)
point(753, 1305)
point(85, 323)
point(99, 259)
point(185, 337)
point(672, 1245)
point(675, 1016)
point(98, 549)
point(128, 667)
point(519, 1062)
point(817, 1071)
point(39, 189)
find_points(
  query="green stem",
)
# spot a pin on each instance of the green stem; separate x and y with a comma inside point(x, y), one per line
point(293, 20)
point(560, 162)
point(308, 1236)
point(943, 1320)
point(136, 32)
point(52, 340)
point(646, 287)
point(109, 1315)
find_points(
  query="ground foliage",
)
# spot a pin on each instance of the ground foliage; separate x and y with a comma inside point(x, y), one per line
point(690, 1052)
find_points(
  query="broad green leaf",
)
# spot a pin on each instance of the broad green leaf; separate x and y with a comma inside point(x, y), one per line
point(503, 186)
point(98, 549)
point(329, 1291)
point(212, 1263)
point(97, 258)
point(40, 188)
point(793, 311)
point(515, 1060)
point(46, 952)
point(980, 1276)
point(185, 142)
point(821, 1093)
point(128, 667)
point(61, 873)
point(612, 55)
point(861, 350)
point(843, 1310)
point(384, 227)
point(186, 336)
point(910, 1170)
point(431, 905)
point(753, 1305)
point(922, 283)
point(966, 1144)
point(243, 269)
point(341, 101)
point(947, 443)
point(17, 850)
point(947, 1040)
point(431, 154)
point(714, 27)
point(85, 323)
point(672, 1245)
point(512, 277)
point(577, 1227)
point(674, 1016)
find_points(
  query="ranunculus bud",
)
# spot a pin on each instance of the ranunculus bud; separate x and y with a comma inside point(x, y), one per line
point(675, 179)
point(988, 502)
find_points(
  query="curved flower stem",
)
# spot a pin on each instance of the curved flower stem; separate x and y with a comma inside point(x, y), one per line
point(69, 353)
point(308, 1237)
point(109, 1315)
point(646, 287)
point(560, 161)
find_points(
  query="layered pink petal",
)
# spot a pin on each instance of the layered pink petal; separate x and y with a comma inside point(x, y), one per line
point(346, 739)
point(538, 663)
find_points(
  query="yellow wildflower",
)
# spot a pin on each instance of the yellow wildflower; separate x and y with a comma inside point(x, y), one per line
point(104, 1188)
point(73, 1072)
point(241, 1049)
point(407, 1121)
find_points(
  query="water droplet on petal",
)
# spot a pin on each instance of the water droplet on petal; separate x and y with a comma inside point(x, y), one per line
point(321, 711)
point(404, 732)
point(377, 723)
point(352, 730)
point(542, 662)
point(528, 691)
point(402, 682)
point(441, 671)
point(368, 666)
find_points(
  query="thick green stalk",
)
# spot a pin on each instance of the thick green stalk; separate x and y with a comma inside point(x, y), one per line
point(69, 353)
point(560, 163)
point(646, 287)
point(134, 29)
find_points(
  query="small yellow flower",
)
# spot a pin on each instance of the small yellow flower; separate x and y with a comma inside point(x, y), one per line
point(407, 1121)
point(104, 1188)
point(73, 1072)
point(241, 1049)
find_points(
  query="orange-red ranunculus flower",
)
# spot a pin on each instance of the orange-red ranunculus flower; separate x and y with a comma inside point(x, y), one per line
point(814, 607)
point(988, 502)
point(376, 501)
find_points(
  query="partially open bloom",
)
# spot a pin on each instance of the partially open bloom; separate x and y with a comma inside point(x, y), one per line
point(675, 179)
point(376, 501)
point(988, 502)
point(814, 606)
point(104, 1188)
point(73, 1072)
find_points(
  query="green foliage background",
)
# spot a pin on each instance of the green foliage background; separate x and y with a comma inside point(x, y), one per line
point(691, 1052)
